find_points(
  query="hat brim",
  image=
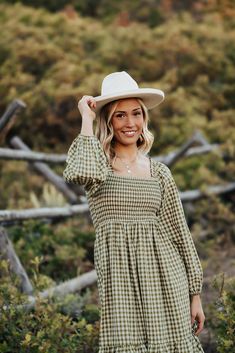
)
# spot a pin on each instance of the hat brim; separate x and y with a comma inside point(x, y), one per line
point(150, 96)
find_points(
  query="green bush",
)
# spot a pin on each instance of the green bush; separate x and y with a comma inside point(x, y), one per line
point(222, 314)
point(65, 248)
point(50, 253)
point(45, 328)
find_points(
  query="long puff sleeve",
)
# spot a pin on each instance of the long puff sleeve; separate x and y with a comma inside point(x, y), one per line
point(86, 163)
point(173, 220)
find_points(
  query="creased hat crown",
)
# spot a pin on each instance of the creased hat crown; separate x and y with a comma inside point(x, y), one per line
point(118, 82)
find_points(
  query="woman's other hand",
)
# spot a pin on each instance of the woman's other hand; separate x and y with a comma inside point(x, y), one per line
point(85, 106)
point(197, 313)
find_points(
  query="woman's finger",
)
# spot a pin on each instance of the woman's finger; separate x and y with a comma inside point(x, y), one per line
point(90, 101)
point(200, 325)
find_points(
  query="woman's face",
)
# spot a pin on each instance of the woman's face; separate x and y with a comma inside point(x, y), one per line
point(128, 116)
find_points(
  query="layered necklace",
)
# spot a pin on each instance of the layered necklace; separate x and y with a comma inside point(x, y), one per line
point(127, 165)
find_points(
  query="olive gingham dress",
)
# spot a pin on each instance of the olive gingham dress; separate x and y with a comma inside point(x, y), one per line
point(145, 258)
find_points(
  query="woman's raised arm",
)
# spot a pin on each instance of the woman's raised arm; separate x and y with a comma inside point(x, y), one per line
point(86, 162)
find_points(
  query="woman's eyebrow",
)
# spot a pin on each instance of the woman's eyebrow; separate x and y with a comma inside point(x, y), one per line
point(123, 111)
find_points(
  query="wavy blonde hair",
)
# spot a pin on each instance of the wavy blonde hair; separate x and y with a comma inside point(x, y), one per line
point(104, 130)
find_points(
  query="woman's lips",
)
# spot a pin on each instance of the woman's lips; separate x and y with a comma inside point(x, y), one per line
point(129, 133)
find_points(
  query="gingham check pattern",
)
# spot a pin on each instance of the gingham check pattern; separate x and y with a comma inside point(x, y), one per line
point(146, 261)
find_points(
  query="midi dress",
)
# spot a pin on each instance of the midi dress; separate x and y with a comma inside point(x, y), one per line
point(144, 255)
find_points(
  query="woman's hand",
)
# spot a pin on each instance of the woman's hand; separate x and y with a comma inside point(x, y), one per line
point(85, 106)
point(197, 312)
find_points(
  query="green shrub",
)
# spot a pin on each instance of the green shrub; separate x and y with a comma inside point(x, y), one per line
point(222, 314)
point(43, 329)
point(65, 247)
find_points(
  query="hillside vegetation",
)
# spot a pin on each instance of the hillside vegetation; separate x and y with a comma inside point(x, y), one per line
point(49, 57)
point(50, 60)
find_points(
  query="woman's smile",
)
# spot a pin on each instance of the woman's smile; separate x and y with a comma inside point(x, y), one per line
point(129, 133)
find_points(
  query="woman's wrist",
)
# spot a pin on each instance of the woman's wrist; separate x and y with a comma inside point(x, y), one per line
point(87, 125)
point(195, 296)
point(89, 118)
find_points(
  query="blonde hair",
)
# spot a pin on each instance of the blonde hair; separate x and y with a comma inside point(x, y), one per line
point(104, 130)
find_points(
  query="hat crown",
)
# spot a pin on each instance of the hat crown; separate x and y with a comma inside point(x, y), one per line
point(118, 82)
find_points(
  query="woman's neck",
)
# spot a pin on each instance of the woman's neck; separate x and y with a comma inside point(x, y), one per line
point(126, 152)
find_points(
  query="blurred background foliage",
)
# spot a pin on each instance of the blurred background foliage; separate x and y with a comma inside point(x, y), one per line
point(50, 60)
point(52, 53)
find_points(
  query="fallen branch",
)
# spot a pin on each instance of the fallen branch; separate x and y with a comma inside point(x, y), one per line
point(173, 157)
point(200, 138)
point(213, 189)
point(71, 286)
point(11, 111)
point(46, 212)
point(29, 156)
point(192, 151)
point(7, 252)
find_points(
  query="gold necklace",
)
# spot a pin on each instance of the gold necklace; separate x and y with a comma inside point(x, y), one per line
point(127, 164)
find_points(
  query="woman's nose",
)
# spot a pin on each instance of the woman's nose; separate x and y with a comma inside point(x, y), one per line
point(130, 121)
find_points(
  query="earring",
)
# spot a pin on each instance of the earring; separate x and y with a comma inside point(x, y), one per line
point(141, 137)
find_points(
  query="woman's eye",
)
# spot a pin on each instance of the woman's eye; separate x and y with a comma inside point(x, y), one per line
point(120, 115)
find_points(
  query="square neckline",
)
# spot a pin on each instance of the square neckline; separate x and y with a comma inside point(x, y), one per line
point(134, 177)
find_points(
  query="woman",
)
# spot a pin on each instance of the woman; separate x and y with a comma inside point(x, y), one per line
point(149, 273)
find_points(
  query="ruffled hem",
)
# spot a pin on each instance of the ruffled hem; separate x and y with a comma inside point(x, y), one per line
point(130, 348)
point(188, 345)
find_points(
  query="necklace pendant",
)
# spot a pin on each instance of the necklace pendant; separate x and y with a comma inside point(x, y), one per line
point(128, 168)
point(126, 165)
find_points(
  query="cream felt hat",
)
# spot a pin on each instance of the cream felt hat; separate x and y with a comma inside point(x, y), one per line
point(119, 85)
